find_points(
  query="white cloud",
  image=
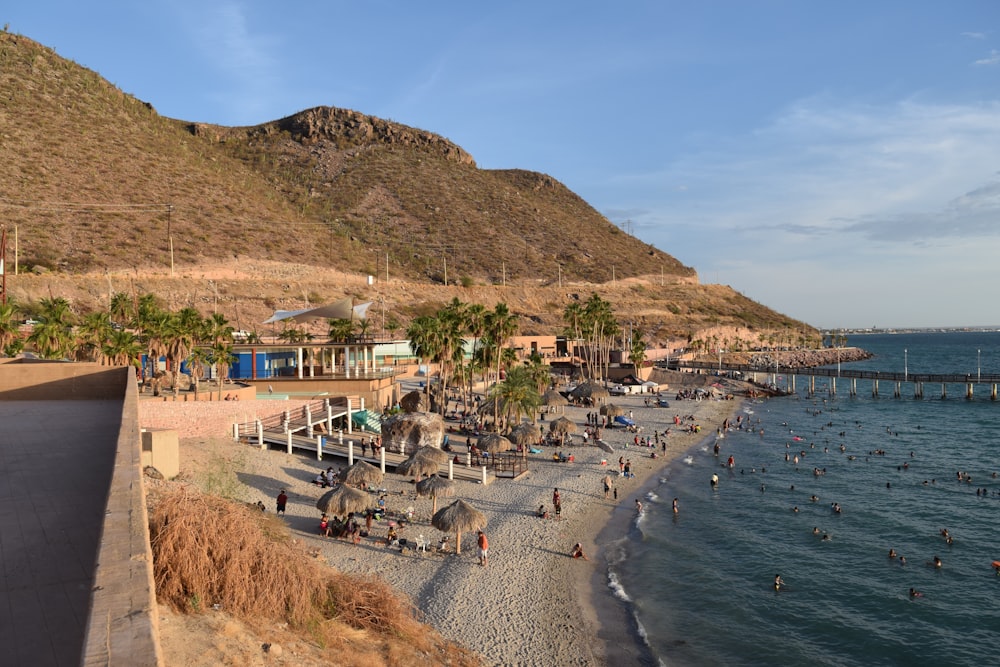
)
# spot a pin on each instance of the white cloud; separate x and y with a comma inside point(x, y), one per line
point(994, 59)
point(974, 35)
point(835, 210)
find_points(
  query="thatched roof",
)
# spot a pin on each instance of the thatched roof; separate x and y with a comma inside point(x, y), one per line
point(611, 410)
point(361, 473)
point(460, 517)
point(343, 500)
point(590, 390)
point(553, 397)
point(525, 434)
point(436, 486)
point(562, 425)
point(417, 466)
point(494, 443)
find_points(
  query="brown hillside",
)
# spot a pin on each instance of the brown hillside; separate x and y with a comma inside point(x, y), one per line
point(100, 188)
point(95, 178)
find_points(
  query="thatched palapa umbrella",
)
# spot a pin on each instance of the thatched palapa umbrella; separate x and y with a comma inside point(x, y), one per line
point(611, 410)
point(435, 487)
point(342, 501)
point(525, 434)
point(553, 398)
point(422, 462)
point(460, 517)
point(361, 473)
point(592, 391)
point(562, 426)
point(494, 443)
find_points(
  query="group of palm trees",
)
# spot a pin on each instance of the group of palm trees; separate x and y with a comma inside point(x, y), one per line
point(442, 338)
point(131, 327)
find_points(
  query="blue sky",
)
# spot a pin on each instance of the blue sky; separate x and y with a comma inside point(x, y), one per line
point(836, 161)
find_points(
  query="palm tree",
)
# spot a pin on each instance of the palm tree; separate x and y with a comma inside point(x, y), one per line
point(518, 393)
point(220, 333)
point(197, 360)
point(52, 336)
point(637, 353)
point(500, 325)
point(452, 329)
point(292, 333)
point(221, 355)
point(9, 328)
point(92, 335)
point(364, 328)
point(425, 342)
point(339, 330)
point(121, 309)
point(155, 327)
point(475, 326)
point(540, 372)
point(184, 330)
point(122, 348)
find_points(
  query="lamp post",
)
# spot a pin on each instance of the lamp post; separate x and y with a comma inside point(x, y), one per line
point(905, 374)
point(979, 366)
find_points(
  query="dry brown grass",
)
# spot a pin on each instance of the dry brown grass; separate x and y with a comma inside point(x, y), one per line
point(208, 551)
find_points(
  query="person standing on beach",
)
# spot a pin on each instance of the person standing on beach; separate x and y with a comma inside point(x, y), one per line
point(484, 548)
point(281, 502)
point(557, 502)
point(607, 486)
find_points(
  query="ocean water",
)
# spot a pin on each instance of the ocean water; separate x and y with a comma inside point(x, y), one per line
point(700, 583)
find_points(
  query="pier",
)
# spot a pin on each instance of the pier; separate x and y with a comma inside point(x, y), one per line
point(875, 379)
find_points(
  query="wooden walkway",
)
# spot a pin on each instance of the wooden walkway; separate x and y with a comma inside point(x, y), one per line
point(350, 450)
point(968, 380)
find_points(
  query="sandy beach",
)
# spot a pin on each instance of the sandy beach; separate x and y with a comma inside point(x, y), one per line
point(533, 604)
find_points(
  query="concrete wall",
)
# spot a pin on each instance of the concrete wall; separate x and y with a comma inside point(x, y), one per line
point(161, 450)
point(207, 392)
point(122, 621)
point(206, 419)
point(37, 380)
point(376, 392)
point(122, 628)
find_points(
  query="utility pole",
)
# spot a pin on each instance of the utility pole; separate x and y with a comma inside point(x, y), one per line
point(3, 269)
point(170, 237)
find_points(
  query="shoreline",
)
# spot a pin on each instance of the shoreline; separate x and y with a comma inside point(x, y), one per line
point(615, 616)
point(533, 604)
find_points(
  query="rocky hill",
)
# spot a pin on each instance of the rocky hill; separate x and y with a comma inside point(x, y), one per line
point(95, 178)
point(97, 185)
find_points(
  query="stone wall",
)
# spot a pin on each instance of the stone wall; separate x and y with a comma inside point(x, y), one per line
point(208, 419)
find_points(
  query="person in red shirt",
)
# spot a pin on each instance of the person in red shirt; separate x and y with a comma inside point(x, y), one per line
point(282, 501)
point(484, 548)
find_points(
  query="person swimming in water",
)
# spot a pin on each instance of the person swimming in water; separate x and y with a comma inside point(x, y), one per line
point(914, 593)
point(779, 583)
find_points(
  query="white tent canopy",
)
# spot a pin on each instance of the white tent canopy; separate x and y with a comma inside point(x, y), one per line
point(338, 310)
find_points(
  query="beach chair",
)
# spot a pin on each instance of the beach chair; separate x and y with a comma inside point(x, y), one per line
point(421, 544)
